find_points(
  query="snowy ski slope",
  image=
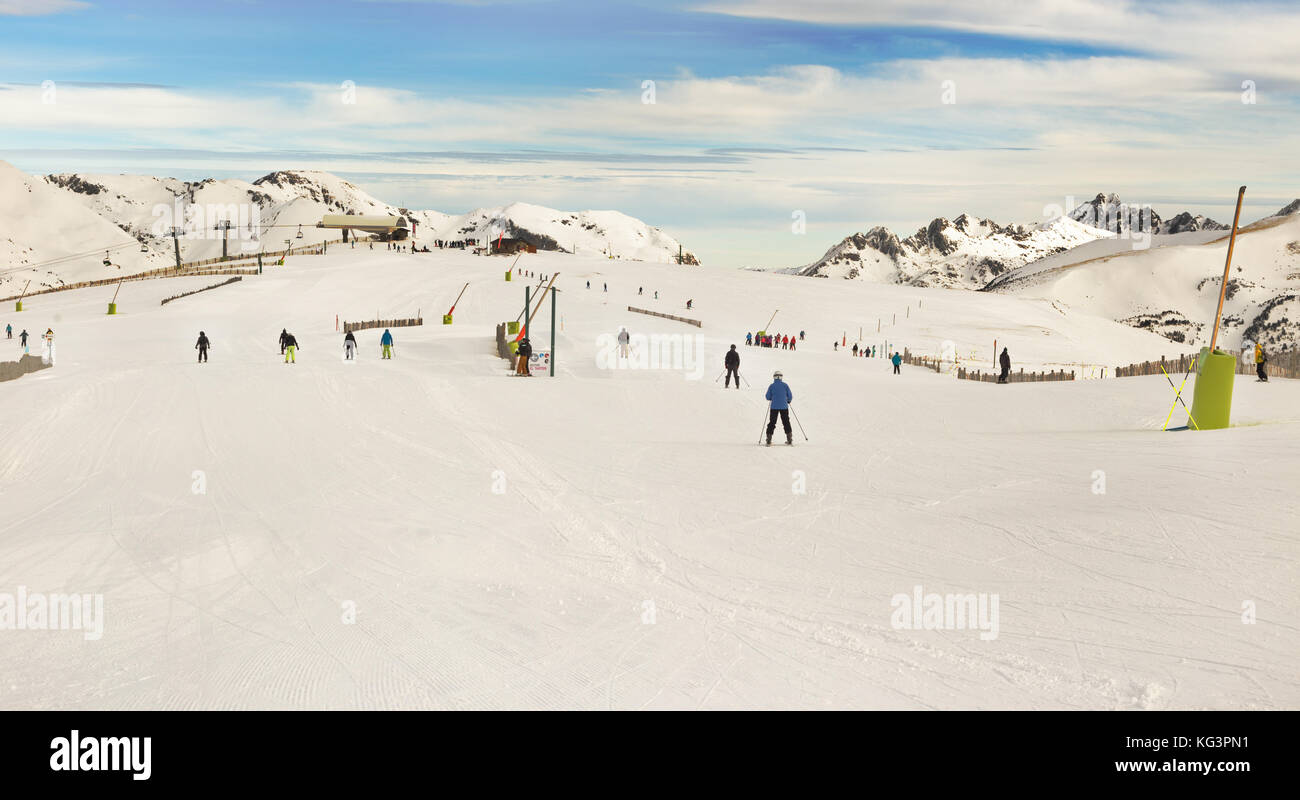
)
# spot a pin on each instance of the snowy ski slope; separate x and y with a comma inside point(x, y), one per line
point(614, 538)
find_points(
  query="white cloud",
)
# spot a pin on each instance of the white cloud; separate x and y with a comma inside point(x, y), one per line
point(36, 8)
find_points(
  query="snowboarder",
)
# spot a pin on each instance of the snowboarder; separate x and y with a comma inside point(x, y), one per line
point(898, 361)
point(386, 342)
point(1260, 360)
point(749, 340)
point(1005, 361)
point(290, 348)
point(779, 398)
point(202, 346)
point(349, 346)
point(732, 363)
point(525, 353)
point(284, 337)
point(623, 340)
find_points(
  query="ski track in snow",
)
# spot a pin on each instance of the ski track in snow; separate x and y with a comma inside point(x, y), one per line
point(329, 483)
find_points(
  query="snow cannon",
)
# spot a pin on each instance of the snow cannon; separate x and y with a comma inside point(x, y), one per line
point(1212, 394)
point(446, 318)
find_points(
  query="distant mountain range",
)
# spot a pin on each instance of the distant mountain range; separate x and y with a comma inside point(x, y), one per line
point(1122, 261)
point(61, 228)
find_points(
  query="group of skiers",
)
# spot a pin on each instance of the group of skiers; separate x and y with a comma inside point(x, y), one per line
point(47, 337)
point(289, 345)
point(779, 395)
point(764, 339)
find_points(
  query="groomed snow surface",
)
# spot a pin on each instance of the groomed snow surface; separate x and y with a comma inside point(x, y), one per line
point(430, 532)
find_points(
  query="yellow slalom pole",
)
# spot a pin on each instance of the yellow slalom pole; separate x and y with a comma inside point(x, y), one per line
point(1178, 396)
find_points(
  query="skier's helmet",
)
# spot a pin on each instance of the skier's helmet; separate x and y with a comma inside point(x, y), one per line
point(777, 375)
point(201, 333)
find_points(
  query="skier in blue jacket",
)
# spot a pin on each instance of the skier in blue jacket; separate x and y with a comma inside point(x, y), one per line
point(897, 359)
point(779, 398)
point(386, 342)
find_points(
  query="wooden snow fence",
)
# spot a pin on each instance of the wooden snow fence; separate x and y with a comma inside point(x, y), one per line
point(167, 300)
point(170, 272)
point(694, 322)
point(1285, 364)
point(1015, 377)
point(349, 327)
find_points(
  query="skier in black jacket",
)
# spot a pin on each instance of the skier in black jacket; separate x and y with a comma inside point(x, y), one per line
point(202, 346)
point(284, 338)
point(732, 363)
point(1005, 361)
point(525, 352)
point(291, 348)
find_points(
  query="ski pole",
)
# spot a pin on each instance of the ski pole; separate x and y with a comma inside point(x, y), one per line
point(800, 424)
point(746, 380)
point(715, 380)
point(766, 414)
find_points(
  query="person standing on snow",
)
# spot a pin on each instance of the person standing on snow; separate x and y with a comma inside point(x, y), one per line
point(1260, 360)
point(749, 339)
point(855, 348)
point(349, 346)
point(898, 361)
point(1005, 361)
point(837, 345)
point(386, 342)
point(284, 337)
point(779, 398)
point(525, 353)
point(732, 363)
point(290, 348)
point(801, 336)
point(9, 331)
point(23, 336)
point(202, 346)
point(623, 340)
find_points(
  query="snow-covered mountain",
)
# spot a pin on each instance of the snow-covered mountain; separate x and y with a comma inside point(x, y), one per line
point(1172, 288)
point(964, 253)
point(133, 216)
point(1117, 260)
point(1110, 213)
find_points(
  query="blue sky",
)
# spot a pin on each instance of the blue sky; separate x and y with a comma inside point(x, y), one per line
point(762, 109)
